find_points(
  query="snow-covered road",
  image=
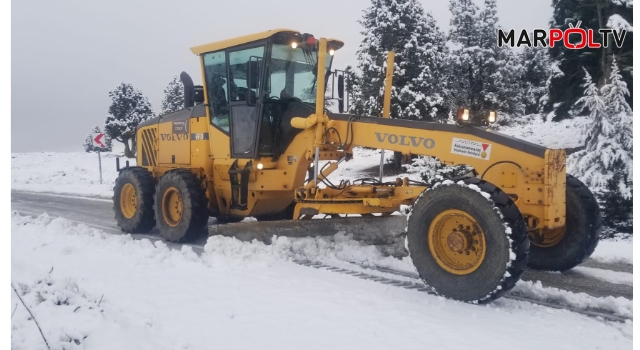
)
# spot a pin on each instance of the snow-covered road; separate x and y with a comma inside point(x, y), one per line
point(97, 290)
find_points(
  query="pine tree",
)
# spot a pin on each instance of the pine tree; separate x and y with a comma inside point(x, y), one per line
point(353, 83)
point(606, 165)
point(463, 70)
point(565, 89)
point(483, 76)
point(536, 72)
point(173, 96)
point(418, 90)
point(88, 142)
point(129, 108)
point(508, 83)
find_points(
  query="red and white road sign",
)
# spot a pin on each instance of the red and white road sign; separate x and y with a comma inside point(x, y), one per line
point(97, 140)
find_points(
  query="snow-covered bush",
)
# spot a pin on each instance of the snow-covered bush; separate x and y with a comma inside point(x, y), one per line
point(606, 165)
point(65, 314)
point(432, 170)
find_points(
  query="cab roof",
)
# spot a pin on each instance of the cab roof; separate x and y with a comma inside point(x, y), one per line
point(220, 45)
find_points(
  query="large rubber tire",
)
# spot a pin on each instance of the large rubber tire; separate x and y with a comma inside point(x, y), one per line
point(194, 215)
point(144, 185)
point(582, 232)
point(505, 233)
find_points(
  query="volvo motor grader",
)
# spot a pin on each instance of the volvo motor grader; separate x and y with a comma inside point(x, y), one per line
point(250, 139)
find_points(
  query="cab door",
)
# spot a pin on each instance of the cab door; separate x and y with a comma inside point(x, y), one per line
point(244, 97)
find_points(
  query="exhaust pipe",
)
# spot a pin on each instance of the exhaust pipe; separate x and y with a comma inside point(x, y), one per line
point(188, 89)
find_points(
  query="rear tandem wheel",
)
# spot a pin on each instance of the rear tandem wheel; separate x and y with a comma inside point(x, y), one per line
point(565, 248)
point(180, 206)
point(133, 200)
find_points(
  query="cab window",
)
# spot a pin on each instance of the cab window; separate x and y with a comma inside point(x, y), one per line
point(238, 72)
point(215, 71)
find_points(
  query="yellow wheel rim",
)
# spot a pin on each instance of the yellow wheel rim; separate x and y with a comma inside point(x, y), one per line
point(547, 238)
point(456, 242)
point(172, 206)
point(128, 200)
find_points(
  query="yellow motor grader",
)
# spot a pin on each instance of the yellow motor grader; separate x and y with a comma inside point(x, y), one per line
point(250, 139)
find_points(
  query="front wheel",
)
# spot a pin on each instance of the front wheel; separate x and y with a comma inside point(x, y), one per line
point(468, 240)
point(566, 247)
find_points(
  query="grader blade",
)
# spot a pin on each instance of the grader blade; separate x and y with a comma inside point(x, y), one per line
point(386, 233)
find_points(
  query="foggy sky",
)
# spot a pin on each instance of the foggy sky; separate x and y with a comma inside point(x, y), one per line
point(67, 54)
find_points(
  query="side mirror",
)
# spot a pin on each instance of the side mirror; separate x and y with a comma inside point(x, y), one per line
point(252, 75)
point(198, 94)
point(341, 94)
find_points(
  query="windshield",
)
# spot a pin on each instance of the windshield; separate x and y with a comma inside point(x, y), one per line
point(293, 73)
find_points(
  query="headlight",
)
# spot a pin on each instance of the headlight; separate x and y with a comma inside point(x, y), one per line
point(493, 117)
point(463, 114)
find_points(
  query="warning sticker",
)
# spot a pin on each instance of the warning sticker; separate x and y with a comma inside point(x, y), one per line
point(470, 148)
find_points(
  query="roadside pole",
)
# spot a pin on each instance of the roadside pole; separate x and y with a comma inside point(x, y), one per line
point(97, 143)
point(100, 166)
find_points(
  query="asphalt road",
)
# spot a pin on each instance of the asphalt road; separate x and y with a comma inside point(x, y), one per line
point(98, 213)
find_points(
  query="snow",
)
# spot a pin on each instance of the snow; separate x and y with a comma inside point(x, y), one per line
point(564, 134)
point(74, 173)
point(618, 305)
point(614, 277)
point(135, 294)
point(616, 22)
point(614, 250)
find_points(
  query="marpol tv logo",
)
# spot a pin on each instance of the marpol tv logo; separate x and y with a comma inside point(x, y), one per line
point(574, 38)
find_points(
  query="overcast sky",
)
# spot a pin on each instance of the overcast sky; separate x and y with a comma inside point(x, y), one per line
point(67, 54)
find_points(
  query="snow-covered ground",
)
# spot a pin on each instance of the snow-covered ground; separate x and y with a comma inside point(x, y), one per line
point(66, 173)
point(567, 133)
point(88, 289)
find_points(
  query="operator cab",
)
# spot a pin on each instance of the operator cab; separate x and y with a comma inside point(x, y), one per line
point(254, 85)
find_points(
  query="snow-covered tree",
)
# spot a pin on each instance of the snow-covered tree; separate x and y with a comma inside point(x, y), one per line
point(418, 90)
point(536, 72)
point(88, 142)
point(606, 164)
point(483, 77)
point(173, 96)
point(565, 89)
point(353, 92)
point(129, 107)
point(464, 36)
